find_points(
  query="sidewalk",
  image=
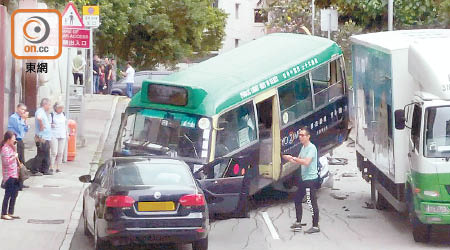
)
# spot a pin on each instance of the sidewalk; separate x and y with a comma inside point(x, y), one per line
point(46, 207)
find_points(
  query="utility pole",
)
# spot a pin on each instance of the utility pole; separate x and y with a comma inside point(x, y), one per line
point(390, 15)
point(91, 61)
point(313, 9)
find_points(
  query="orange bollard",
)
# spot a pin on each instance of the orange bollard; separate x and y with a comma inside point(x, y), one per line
point(72, 140)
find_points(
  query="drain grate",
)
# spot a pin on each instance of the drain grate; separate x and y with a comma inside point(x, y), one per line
point(32, 221)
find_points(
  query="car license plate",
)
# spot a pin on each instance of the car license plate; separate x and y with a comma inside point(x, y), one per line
point(156, 206)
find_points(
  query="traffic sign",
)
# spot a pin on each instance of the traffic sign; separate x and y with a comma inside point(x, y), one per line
point(328, 20)
point(76, 38)
point(91, 16)
point(71, 18)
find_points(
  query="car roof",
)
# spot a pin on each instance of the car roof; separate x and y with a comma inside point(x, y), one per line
point(120, 161)
point(150, 72)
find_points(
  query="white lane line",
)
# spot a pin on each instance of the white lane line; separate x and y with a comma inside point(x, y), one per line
point(270, 226)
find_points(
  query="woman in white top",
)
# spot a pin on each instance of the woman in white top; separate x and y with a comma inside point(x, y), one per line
point(59, 135)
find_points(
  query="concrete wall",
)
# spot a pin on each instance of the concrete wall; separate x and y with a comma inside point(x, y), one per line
point(10, 72)
point(3, 108)
point(240, 23)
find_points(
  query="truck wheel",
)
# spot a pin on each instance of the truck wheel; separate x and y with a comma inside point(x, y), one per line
point(359, 161)
point(421, 232)
point(381, 203)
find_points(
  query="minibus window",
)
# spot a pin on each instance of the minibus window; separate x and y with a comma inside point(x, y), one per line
point(295, 99)
point(237, 128)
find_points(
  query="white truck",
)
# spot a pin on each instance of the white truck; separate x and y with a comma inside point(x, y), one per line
point(401, 82)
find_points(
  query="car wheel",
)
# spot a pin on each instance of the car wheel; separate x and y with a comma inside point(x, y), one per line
point(86, 229)
point(99, 244)
point(200, 244)
point(421, 232)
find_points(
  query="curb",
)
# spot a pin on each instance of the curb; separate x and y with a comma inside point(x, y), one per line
point(78, 210)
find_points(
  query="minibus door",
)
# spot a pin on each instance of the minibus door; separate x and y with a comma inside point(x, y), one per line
point(222, 182)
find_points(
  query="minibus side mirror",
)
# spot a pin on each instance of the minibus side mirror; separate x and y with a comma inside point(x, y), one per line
point(400, 120)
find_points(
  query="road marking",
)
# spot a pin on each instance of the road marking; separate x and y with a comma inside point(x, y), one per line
point(270, 226)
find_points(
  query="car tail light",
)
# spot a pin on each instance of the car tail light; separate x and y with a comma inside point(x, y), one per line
point(119, 201)
point(192, 200)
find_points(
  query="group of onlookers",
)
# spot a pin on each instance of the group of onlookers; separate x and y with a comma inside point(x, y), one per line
point(104, 71)
point(104, 74)
point(50, 138)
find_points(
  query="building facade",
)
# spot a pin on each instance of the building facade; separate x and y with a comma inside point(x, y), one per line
point(244, 23)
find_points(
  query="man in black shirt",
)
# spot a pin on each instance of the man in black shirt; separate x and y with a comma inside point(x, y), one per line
point(108, 75)
point(95, 73)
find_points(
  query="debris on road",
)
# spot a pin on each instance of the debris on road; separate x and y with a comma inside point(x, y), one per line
point(339, 196)
point(337, 161)
point(369, 205)
point(349, 174)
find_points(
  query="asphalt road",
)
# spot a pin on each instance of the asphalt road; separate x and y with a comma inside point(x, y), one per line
point(344, 222)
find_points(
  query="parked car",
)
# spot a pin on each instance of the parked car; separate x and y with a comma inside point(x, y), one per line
point(120, 87)
point(145, 200)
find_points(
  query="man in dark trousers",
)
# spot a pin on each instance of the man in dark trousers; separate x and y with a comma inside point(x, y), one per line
point(108, 75)
point(43, 137)
point(308, 184)
point(17, 123)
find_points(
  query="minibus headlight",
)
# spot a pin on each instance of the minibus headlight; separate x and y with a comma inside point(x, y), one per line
point(431, 193)
point(203, 123)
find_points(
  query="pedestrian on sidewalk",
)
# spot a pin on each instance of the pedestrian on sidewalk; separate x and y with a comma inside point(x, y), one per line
point(10, 181)
point(95, 68)
point(59, 135)
point(108, 76)
point(129, 79)
point(42, 138)
point(102, 86)
point(309, 180)
point(17, 123)
point(78, 64)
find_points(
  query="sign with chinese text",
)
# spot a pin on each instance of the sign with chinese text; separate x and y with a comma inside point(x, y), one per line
point(76, 38)
point(91, 16)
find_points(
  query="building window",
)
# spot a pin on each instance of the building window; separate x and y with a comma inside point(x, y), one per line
point(236, 43)
point(216, 4)
point(236, 10)
point(260, 16)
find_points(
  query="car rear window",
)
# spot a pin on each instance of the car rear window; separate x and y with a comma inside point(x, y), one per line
point(152, 174)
